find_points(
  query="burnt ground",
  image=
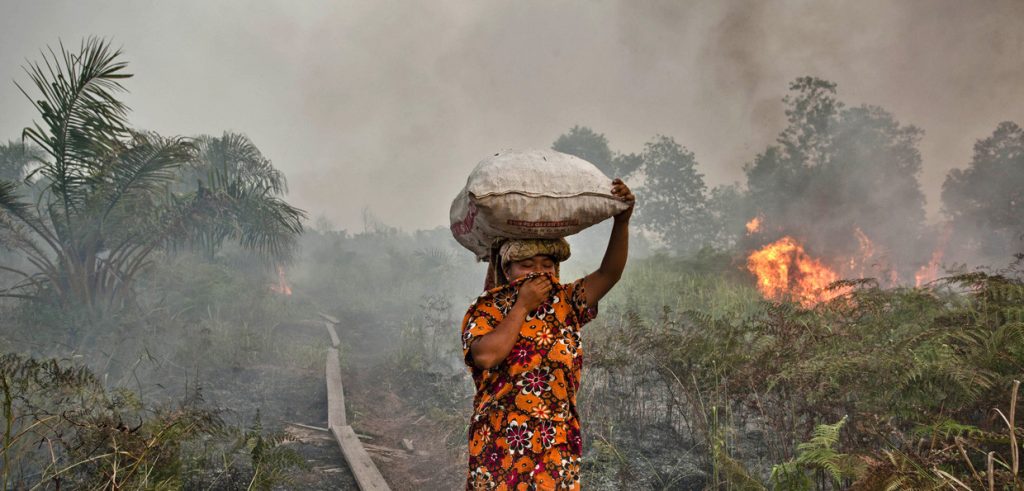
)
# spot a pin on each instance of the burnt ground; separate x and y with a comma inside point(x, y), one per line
point(402, 415)
point(287, 389)
point(402, 411)
point(393, 404)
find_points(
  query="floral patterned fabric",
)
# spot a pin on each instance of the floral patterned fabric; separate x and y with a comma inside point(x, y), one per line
point(525, 431)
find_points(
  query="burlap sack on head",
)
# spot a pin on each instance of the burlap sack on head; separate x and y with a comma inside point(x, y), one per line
point(530, 194)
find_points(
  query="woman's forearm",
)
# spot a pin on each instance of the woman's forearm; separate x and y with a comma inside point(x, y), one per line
point(492, 348)
point(600, 282)
point(614, 261)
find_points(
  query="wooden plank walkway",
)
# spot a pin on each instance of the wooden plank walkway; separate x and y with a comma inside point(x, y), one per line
point(368, 477)
point(366, 473)
point(329, 323)
point(335, 391)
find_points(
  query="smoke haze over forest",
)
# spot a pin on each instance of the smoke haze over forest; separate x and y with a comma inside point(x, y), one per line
point(825, 264)
point(389, 106)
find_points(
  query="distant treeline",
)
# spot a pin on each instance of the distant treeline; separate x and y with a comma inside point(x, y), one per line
point(833, 171)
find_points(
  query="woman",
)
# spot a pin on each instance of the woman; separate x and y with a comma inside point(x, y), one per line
point(521, 339)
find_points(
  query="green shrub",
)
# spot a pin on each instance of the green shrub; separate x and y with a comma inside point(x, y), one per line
point(745, 381)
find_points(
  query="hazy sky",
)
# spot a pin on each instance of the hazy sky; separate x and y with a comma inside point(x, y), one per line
point(388, 105)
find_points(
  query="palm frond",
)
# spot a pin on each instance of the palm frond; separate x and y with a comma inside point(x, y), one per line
point(11, 202)
point(17, 215)
point(234, 158)
point(82, 118)
point(239, 189)
point(144, 168)
point(265, 224)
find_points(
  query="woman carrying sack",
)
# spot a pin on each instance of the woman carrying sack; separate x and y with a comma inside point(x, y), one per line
point(521, 340)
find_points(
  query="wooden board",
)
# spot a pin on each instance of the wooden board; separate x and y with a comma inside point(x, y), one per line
point(328, 318)
point(368, 477)
point(365, 471)
point(335, 392)
point(334, 334)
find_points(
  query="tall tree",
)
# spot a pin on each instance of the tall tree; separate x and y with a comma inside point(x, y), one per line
point(591, 146)
point(728, 212)
point(985, 201)
point(836, 170)
point(588, 145)
point(674, 196)
point(779, 177)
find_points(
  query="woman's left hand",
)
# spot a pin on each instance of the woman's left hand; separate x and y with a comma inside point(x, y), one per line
point(621, 190)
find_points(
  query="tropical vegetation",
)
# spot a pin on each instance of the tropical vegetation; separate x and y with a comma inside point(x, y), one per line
point(157, 293)
point(102, 198)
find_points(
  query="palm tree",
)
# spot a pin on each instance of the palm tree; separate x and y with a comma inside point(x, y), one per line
point(232, 173)
point(105, 195)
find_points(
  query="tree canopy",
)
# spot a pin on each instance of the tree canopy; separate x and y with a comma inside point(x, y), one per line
point(674, 202)
point(588, 145)
point(835, 170)
point(591, 146)
point(985, 201)
point(674, 195)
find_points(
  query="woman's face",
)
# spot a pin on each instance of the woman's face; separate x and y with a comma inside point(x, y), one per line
point(535, 264)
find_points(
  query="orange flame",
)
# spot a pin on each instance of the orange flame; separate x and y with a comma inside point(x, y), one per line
point(282, 283)
point(785, 271)
point(930, 272)
point(754, 225)
point(859, 265)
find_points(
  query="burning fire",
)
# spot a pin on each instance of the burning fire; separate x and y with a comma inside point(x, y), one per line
point(859, 265)
point(754, 225)
point(930, 272)
point(784, 270)
point(282, 283)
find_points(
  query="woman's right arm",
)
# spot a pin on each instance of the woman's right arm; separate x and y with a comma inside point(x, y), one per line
point(492, 348)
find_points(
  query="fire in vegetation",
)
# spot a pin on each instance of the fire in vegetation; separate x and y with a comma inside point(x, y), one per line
point(281, 286)
point(785, 271)
point(867, 251)
point(754, 225)
point(869, 262)
point(930, 272)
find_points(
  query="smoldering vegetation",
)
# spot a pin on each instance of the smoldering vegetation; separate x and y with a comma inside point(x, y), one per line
point(161, 297)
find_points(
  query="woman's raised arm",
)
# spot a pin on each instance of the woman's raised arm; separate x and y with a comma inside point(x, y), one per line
point(600, 282)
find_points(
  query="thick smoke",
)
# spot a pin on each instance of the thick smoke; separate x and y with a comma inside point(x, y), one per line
point(392, 104)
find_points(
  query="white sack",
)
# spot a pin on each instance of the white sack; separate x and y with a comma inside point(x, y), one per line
point(530, 194)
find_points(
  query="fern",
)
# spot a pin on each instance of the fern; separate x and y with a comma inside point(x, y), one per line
point(817, 454)
point(270, 459)
point(948, 429)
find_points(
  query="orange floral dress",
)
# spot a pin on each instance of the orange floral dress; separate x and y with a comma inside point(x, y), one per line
point(525, 431)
